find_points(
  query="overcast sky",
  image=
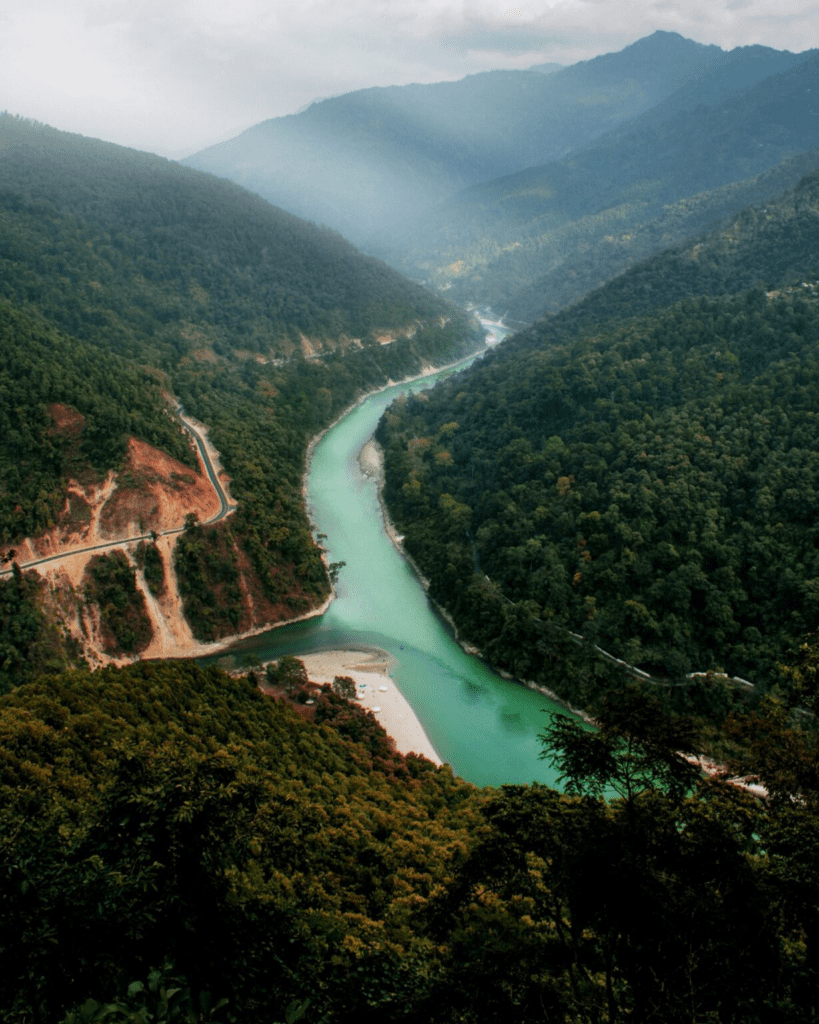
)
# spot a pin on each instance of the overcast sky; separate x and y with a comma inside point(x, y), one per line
point(172, 76)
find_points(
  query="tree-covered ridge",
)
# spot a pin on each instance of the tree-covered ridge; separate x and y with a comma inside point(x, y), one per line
point(107, 398)
point(762, 246)
point(652, 487)
point(170, 811)
point(143, 254)
point(31, 641)
point(111, 586)
point(369, 159)
point(170, 818)
point(599, 247)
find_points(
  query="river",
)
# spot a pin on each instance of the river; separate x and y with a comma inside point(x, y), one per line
point(484, 726)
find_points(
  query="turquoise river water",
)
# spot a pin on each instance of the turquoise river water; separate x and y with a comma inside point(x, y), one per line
point(484, 726)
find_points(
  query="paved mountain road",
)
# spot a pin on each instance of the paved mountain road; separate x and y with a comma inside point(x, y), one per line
point(226, 507)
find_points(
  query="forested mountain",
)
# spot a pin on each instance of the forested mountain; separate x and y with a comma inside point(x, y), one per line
point(736, 71)
point(647, 481)
point(762, 246)
point(535, 241)
point(130, 241)
point(176, 846)
point(124, 277)
point(179, 847)
point(604, 256)
point(364, 161)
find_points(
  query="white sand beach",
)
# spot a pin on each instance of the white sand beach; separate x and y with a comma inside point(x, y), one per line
point(370, 672)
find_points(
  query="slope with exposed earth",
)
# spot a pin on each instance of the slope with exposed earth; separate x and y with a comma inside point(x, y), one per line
point(264, 326)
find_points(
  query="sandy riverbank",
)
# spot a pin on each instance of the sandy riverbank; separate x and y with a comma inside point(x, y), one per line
point(380, 694)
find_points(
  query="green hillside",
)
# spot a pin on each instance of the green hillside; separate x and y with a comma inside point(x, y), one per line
point(762, 246)
point(112, 398)
point(123, 277)
point(648, 482)
point(615, 243)
point(129, 249)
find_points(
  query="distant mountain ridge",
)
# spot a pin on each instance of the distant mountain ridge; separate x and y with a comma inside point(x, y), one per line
point(737, 70)
point(557, 230)
point(370, 158)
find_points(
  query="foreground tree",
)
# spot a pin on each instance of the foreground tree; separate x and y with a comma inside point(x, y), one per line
point(649, 907)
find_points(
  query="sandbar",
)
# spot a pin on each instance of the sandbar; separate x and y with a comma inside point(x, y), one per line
point(371, 668)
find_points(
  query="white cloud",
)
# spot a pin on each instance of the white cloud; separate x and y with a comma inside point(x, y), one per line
point(175, 75)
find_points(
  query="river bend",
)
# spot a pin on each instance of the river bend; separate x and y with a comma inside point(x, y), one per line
point(485, 726)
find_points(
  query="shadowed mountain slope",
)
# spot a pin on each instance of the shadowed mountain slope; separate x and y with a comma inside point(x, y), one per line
point(566, 227)
point(362, 161)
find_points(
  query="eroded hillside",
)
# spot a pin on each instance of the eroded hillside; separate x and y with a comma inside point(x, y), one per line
point(264, 326)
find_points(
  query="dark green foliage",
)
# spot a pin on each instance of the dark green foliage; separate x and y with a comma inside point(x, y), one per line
point(359, 725)
point(344, 686)
point(205, 563)
point(150, 562)
point(66, 410)
point(288, 672)
point(763, 246)
point(112, 588)
point(166, 812)
point(649, 486)
point(573, 910)
point(169, 814)
point(624, 238)
point(163, 1000)
point(30, 644)
point(197, 261)
point(635, 749)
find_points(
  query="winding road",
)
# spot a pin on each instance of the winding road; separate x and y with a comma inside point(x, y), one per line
point(226, 507)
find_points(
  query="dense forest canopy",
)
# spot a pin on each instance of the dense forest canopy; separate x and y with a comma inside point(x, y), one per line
point(176, 846)
point(649, 483)
point(126, 248)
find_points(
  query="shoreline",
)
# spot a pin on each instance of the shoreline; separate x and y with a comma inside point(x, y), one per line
point(371, 462)
point(377, 691)
point(200, 649)
point(427, 372)
point(206, 650)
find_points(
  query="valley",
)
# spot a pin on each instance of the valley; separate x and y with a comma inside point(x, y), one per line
point(208, 398)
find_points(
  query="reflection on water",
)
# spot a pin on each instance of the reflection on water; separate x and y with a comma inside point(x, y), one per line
point(473, 690)
point(513, 721)
point(484, 726)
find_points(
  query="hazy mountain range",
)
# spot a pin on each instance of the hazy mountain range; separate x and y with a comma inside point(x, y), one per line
point(370, 158)
point(504, 186)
